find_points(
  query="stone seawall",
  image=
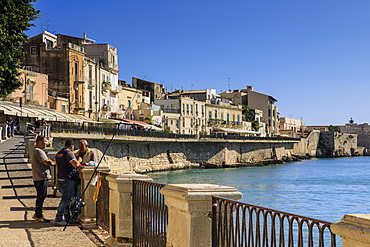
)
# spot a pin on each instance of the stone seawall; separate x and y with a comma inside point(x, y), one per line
point(131, 153)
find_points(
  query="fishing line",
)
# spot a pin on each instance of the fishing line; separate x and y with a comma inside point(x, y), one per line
point(79, 203)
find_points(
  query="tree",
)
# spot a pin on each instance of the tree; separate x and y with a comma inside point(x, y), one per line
point(15, 18)
point(248, 115)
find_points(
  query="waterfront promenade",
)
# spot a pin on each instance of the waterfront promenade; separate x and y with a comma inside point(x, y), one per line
point(17, 201)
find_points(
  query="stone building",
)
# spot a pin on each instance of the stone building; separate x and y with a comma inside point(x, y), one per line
point(222, 114)
point(83, 76)
point(200, 95)
point(34, 89)
point(184, 115)
point(290, 126)
point(156, 91)
point(265, 103)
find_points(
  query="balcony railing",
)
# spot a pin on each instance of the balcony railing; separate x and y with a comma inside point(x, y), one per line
point(171, 110)
point(239, 224)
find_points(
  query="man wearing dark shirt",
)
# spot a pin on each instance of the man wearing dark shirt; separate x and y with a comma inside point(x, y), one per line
point(67, 174)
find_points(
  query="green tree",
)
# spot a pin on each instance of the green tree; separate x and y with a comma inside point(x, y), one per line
point(15, 18)
point(248, 115)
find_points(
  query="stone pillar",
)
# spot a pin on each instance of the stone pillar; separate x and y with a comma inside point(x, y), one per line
point(31, 145)
point(120, 204)
point(189, 206)
point(26, 144)
point(88, 212)
point(53, 182)
point(354, 229)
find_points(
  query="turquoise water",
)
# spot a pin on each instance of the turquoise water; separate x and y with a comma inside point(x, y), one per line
point(324, 189)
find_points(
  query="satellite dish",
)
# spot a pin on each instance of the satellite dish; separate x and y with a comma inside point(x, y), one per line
point(54, 93)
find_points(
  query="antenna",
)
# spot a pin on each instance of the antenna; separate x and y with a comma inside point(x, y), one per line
point(228, 83)
point(47, 26)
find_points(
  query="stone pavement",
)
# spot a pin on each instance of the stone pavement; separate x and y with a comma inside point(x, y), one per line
point(17, 202)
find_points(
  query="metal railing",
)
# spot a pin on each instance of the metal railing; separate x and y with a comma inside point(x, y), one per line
point(239, 137)
point(100, 130)
point(238, 224)
point(102, 204)
point(150, 215)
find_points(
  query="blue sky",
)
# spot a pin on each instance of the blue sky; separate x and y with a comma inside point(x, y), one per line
point(312, 56)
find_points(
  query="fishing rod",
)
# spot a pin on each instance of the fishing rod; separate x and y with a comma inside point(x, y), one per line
point(79, 203)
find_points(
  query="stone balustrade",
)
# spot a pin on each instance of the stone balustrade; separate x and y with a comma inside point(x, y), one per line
point(354, 229)
point(88, 213)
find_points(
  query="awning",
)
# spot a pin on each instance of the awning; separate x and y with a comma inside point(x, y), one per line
point(13, 109)
point(235, 131)
point(142, 124)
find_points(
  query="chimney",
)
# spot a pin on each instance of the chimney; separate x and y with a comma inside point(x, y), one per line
point(250, 88)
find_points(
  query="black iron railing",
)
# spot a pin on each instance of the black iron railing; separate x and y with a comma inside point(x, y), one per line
point(240, 137)
point(100, 130)
point(149, 215)
point(102, 204)
point(238, 224)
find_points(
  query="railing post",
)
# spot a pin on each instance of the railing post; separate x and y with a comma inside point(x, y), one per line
point(189, 211)
point(120, 208)
point(354, 229)
point(88, 212)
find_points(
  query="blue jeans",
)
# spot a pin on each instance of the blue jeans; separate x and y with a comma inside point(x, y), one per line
point(76, 197)
point(66, 187)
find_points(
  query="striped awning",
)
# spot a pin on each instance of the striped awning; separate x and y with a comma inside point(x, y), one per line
point(13, 109)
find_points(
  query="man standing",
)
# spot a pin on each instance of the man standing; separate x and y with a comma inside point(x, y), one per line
point(85, 155)
point(11, 126)
point(67, 173)
point(41, 174)
point(85, 152)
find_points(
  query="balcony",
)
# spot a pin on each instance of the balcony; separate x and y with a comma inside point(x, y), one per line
point(113, 65)
point(106, 108)
point(116, 90)
point(171, 110)
point(106, 85)
point(92, 83)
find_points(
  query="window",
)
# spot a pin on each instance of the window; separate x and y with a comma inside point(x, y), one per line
point(187, 109)
point(76, 71)
point(222, 116)
point(227, 119)
point(63, 108)
point(33, 50)
point(196, 109)
point(238, 119)
point(210, 115)
point(30, 91)
point(269, 112)
point(183, 123)
point(128, 103)
point(173, 106)
point(103, 77)
point(215, 114)
point(203, 110)
point(183, 108)
point(234, 118)
point(191, 109)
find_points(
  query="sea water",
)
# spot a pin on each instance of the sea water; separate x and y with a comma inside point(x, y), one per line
point(323, 189)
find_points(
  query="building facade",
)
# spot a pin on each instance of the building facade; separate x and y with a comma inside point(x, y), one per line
point(34, 89)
